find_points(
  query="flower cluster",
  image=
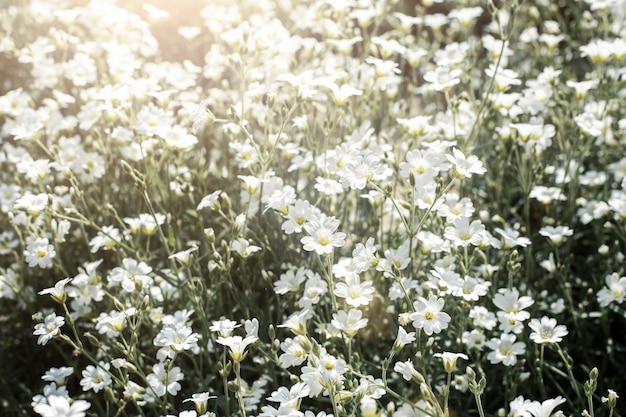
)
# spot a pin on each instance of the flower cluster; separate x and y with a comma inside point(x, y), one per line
point(312, 208)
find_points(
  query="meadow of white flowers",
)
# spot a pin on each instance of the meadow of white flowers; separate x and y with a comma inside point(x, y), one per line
point(313, 208)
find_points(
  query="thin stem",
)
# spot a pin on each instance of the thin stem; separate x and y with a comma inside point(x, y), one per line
point(333, 400)
point(225, 384)
point(242, 407)
point(540, 372)
point(479, 405)
point(446, 395)
point(568, 365)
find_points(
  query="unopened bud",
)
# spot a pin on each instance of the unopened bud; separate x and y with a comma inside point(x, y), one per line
point(209, 233)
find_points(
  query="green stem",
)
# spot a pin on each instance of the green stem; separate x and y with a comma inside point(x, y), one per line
point(333, 400)
point(225, 384)
point(568, 365)
point(479, 405)
point(540, 372)
point(242, 407)
point(446, 395)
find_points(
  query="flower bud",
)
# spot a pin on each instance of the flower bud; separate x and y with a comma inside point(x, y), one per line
point(611, 399)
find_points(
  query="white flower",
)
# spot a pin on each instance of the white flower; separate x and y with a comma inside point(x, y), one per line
point(341, 94)
point(549, 264)
point(470, 288)
point(200, 400)
point(298, 214)
point(509, 301)
point(547, 195)
point(449, 359)
point(314, 289)
point(460, 382)
point(59, 406)
point(323, 236)
point(395, 259)
point(443, 78)
point(421, 166)
point(58, 375)
point(328, 186)
point(512, 238)
point(349, 323)
point(295, 353)
point(243, 247)
point(588, 123)
point(105, 239)
point(519, 407)
point(58, 291)
point(505, 349)
point(406, 369)
point(545, 408)
point(355, 292)
point(463, 233)
point(201, 115)
point(402, 339)
point(177, 339)
point(615, 290)
point(371, 388)
point(364, 256)
point(113, 323)
point(184, 256)
point(483, 318)
point(359, 171)
point(96, 377)
point(429, 316)
point(475, 339)
point(297, 322)
point(290, 281)
point(611, 398)
point(49, 328)
point(211, 201)
point(556, 234)
point(546, 331)
point(163, 380)
point(465, 167)
point(324, 372)
point(290, 397)
point(512, 314)
point(132, 276)
point(224, 327)
point(252, 327)
point(39, 252)
point(237, 345)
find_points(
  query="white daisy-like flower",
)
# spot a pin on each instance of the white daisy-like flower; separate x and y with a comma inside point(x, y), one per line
point(429, 316)
point(323, 236)
point(464, 167)
point(58, 405)
point(505, 349)
point(49, 328)
point(546, 330)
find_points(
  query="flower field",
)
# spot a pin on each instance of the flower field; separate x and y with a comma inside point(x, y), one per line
point(316, 208)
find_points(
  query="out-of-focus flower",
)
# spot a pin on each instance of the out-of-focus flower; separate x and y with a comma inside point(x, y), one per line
point(615, 290)
point(505, 349)
point(60, 406)
point(465, 166)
